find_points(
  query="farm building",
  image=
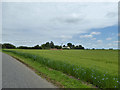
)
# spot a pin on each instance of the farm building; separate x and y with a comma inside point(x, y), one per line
point(66, 47)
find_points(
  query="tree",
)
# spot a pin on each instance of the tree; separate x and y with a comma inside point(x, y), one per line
point(69, 44)
point(8, 46)
point(47, 45)
point(79, 47)
point(63, 45)
point(37, 47)
point(110, 48)
point(73, 46)
point(93, 48)
point(58, 47)
point(43, 46)
point(76, 47)
point(51, 45)
point(22, 47)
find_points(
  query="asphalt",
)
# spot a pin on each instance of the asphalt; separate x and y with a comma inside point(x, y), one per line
point(17, 75)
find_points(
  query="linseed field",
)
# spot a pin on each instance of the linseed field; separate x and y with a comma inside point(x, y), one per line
point(99, 67)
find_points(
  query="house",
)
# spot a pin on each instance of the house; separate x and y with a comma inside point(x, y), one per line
point(66, 47)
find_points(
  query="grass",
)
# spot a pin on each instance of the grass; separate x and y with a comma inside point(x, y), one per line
point(99, 67)
point(62, 80)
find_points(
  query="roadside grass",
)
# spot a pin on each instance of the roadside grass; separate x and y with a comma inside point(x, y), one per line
point(58, 78)
point(96, 76)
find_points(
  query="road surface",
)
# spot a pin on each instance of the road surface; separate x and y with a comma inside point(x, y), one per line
point(17, 75)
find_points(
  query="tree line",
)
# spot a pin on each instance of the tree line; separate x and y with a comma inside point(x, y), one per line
point(47, 45)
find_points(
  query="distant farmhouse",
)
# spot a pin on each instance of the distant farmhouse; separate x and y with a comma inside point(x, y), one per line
point(66, 47)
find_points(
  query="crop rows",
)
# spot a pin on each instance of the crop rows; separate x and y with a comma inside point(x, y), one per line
point(100, 79)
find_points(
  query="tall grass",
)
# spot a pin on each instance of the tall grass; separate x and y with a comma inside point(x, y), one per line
point(92, 75)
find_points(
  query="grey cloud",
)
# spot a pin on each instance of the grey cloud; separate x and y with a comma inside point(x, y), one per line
point(72, 20)
point(69, 20)
point(41, 22)
point(111, 14)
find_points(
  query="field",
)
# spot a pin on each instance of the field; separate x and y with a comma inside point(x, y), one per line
point(99, 67)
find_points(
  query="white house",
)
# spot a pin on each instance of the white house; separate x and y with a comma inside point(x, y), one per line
point(66, 47)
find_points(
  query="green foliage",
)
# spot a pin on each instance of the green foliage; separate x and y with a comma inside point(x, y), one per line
point(8, 46)
point(98, 67)
point(52, 45)
point(57, 47)
point(37, 47)
point(62, 80)
point(69, 44)
point(22, 47)
point(72, 46)
point(48, 45)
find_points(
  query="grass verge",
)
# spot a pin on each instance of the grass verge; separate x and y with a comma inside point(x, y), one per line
point(58, 78)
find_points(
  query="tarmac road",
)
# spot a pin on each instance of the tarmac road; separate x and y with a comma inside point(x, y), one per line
point(17, 75)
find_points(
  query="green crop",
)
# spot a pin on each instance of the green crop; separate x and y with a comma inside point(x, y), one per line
point(99, 67)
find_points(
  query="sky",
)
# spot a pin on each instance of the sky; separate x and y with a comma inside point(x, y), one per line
point(90, 24)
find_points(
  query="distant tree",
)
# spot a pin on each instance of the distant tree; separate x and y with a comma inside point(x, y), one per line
point(79, 47)
point(73, 46)
point(58, 47)
point(51, 44)
point(110, 48)
point(93, 48)
point(63, 45)
point(103, 49)
point(8, 46)
point(47, 45)
point(37, 47)
point(69, 44)
point(82, 48)
point(43, 46)
point(22, 47)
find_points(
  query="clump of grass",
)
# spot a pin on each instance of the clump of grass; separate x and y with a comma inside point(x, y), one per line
point(100, 79)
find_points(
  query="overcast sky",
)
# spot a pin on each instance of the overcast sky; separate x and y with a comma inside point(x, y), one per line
point(93, 25)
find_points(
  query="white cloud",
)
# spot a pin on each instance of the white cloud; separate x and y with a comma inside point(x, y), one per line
point(86, 36)
point(74, 15)
point(93, 38)
point(90, 35)
point(43, 21)
point(96, 33)
point(60, 1)
point(99, 41)
point(72, 18)
point(62, 38)
point(65, 37)
point(112, 45)
point(109, 38)
point(109, 44)
point(116, 41)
